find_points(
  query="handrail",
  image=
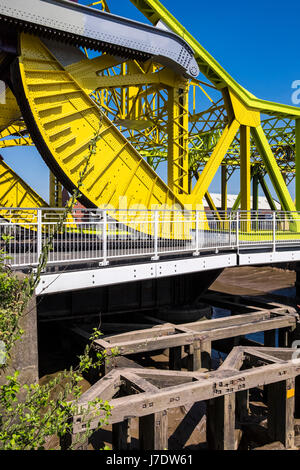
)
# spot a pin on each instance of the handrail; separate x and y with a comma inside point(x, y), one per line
point(98, 235)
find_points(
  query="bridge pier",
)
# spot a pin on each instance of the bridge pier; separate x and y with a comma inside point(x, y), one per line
point(297, 283)
point(24, 355)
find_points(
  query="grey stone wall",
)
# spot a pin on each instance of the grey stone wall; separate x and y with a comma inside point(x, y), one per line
point(24, 356)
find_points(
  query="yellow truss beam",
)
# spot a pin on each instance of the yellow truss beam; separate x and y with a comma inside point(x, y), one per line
point(63, 119)
point(14, 192)
point(9, 109)
point(178, 161)
point(272, 168)
point(213, 163)
point(245, 168)
point(155, 11)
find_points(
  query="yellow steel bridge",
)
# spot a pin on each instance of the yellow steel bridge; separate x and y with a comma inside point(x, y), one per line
point(151, 116)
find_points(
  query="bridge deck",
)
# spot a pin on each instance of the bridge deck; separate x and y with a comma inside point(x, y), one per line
point(94, 249)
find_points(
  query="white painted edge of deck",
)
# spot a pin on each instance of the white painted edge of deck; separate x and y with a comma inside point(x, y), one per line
point(109, 275)
point(268, 257)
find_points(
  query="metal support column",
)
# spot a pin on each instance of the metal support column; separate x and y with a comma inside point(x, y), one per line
point(178, 163)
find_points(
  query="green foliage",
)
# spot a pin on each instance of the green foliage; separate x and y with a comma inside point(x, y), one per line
point(30, 414)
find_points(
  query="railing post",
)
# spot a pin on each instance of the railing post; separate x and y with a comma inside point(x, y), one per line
point(230, 228)
point(39, 234)
point(196, 252)
point(237, 230)
point(156, 222)
point(274, 231)
point(104, 240)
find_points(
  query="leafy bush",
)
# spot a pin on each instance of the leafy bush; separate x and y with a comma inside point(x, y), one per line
point(30, 414)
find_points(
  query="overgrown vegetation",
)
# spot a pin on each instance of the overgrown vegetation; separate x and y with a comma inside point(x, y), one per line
point(30, 414)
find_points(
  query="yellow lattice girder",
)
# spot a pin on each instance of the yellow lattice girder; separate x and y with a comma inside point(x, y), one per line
point(245, 168)
point(155, 12)
point(213, 163)
point(86, 71)
point(62, 119)
point(273, 169)
point(9, 109)
point(14, 192)
point(243, 114)
point(13, 136)
point(178, 155)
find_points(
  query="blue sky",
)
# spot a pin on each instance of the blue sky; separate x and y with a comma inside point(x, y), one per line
point(257, 42)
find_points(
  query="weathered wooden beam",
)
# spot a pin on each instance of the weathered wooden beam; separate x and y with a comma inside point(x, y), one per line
point(166, 339)
point(112, 362)
point(153, 428)
point(225, 322)
point(242, 405)
point(255, 354)
point(104, 389)
point(272, 446)
point(210, 385)
point(175, 355)
point(234, 360)
point(153, 332)
point(248, 328)
point(121, 438)
point(199, 355)
point(286, 354)
point(153, 431)
point(194, 356)
point(281, 405)
point(220, 423)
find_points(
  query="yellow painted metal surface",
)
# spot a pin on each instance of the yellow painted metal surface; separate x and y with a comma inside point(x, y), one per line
point(14, 192)
point(273, 169)
point(150, 105)
point(290, 393)
point(178, 162)
point(67, 119)
point(55, 191)
point(9, 109)
point(15, 136)
point(245, 168)
point(213, 164)
point(242, 113)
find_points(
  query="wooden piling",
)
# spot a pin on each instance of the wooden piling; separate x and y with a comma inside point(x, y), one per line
point(121, 438)
point(153, 431)
point(242, 405)
point(220, 423)
point(270, 338)
point(281, 404)
point(175, 358)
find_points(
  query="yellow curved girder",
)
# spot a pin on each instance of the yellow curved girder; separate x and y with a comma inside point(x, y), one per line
point(14, 192)
point(9, 109)
point(14, 136)
point(62, 119)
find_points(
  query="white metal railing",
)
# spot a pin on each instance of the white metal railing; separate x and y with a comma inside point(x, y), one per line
point(106, 235)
